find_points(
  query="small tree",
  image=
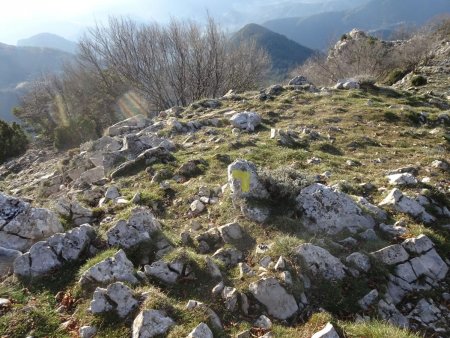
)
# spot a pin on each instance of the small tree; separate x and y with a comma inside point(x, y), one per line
point(13, 141)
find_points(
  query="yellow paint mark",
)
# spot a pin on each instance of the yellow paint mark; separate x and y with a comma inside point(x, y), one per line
point(244, 177)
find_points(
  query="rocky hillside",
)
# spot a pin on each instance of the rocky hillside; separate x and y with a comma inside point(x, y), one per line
point(282, 213)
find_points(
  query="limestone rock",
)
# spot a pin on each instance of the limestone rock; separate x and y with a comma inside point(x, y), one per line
point(391, 255)
point(263, 322)
point(139, 227)
point(134, 123)
point(274, 297)
point(59, 249)
point(404, 204)
point(22, 225)
point(229, 256)
point(390, 313)
point(151, 323)
point(231, 232)
point(74, 211)
point(213, 318)
point(256, 213)
point(368, 299)
point(246, 120)
point(117, 297)
point(359, 261)
point(418, 245)
point(320, 262)
point(244, 180)
point(167, 272)
point(7, 258)
point(201, 331)
point(326, 209)
point(327, 332)
point(87, 331)
point(112, 269)
point(298, 81)
point(230, 297)
point(402, 179)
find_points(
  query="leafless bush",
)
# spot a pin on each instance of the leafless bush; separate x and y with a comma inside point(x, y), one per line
point(175, 64)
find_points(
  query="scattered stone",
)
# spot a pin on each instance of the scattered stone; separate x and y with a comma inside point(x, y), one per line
point(113, 269)
point(217, 290)
point(231, 232)
point(404, 204)
point(246, 120)
point(327, 332)
point(314, 160)
point(440, 165)
point(274, 297)
point(320, 262)
point(151, 323)
point(201, 331)
point(326, 209)
point(117, 297)
point(230, 296)
point(112, 193)
point(212, 268)
point(280, 264)
point(87, 331)
point(402, 179)
point(228, 256)
point(298, 81)
point(245, 270)
point(197, 207)
point(263, 322)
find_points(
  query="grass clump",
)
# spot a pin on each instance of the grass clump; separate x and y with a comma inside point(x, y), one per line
point(419, 80)
point(374, 329)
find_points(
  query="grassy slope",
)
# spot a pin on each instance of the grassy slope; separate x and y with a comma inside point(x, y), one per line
point(387, 121)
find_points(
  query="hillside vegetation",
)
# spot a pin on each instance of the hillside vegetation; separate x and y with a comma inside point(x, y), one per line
point(291, 211)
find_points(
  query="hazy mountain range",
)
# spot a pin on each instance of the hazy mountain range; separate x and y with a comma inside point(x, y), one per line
point(319, 30)
point(48, 40)
point(285, 54)
point(21, 64)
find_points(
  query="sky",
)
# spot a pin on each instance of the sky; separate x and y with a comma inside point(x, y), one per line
point(24, 18)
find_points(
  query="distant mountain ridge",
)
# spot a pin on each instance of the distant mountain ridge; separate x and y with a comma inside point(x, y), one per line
point(22, 64)
point(48, 40)
point(318, 31)
point(285, 54)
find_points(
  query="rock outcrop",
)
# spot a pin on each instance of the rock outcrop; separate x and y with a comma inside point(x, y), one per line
point(21, 225)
